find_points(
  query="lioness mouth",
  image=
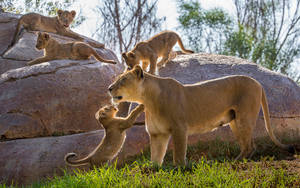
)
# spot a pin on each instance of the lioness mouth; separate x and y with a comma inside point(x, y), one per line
point(118, 97)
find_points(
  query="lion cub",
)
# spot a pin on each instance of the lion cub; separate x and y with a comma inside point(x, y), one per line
point(58, 24)
point(72, 50)
point(149, 51)
point(115, 134)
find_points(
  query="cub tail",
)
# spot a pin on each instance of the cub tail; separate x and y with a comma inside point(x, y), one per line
point(79, 162)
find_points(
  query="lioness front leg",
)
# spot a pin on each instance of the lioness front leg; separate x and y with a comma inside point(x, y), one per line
point(158, 146)
point(164, 60)
point(153, 60)
point(70, 34)
point(39, 60)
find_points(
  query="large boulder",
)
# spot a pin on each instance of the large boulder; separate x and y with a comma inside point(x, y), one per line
point(283, 93)
point(52, 98)
point(25, 161)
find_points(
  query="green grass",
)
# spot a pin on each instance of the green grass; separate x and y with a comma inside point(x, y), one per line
point(210, 165)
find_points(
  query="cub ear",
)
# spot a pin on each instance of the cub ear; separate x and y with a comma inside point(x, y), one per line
point(46, 36)
point(124, 55)
point(59, 12)
point(73, 12)
point(131, 54)
point(138, 71)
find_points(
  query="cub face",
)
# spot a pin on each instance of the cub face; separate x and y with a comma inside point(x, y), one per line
point(131, 59)
point(106, 112)
point(65, 17)
point(42, 40)
point(127, 85)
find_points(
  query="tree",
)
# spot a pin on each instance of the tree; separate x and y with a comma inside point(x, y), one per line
point(44, 7)
point(206, 30)
point(123, 23)
point(264, 31)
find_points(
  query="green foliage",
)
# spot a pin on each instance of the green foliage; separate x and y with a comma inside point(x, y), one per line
point(205, 29)
point(264, 32)
point(44, 7)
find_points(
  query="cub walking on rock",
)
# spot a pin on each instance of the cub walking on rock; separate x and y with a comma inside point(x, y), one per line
point(149, 51)
point(115, 134)
point(72, 50)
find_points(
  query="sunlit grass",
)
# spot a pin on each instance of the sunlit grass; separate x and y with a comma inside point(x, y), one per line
point(210, 165)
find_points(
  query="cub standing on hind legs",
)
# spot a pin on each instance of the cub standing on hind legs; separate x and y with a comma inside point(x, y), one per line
point(115, 134)
point(149, 51)
point(72, 50)
point(173, 109)
point(58, 24)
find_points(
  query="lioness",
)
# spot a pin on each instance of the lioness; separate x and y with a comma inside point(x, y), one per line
point(72, 50)
point(149, 51)
point(115, 134)
point(177, 110)
point(58, 24)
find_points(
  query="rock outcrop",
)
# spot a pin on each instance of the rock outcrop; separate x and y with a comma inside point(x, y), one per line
point(51, 98)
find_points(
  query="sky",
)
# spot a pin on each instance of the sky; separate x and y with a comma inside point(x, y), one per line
point(166, 8)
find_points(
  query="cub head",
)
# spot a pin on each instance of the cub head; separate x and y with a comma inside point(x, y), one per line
point(128, 86)
point(131, 59)
point(42, 41)
point(106, 113)
point(65, 18)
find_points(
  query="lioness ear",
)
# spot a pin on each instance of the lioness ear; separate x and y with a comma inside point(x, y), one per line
point(124, 55)
point(131, 54)
point(73, 12)
point(46, 36)
point(59, 12)
point(138, 71)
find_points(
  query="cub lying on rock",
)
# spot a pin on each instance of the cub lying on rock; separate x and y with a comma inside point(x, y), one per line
point(115, 134)
point(58, 24)
point(72, 50)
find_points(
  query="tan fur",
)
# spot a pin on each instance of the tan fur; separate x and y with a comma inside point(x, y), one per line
point(177, 110)
point(149, 51)
point(54, 50)
point(58, 24)
point(115, 134)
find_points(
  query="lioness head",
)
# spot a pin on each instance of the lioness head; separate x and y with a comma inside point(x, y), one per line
point(131, 59)
point(127, 86)
point(65, 17)
point(42, 41)
point(106, 112)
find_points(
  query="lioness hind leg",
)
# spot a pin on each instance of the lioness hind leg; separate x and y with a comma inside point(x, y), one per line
point(180, 147)
point(158, 146)
point(243, 129)
point(164, 60)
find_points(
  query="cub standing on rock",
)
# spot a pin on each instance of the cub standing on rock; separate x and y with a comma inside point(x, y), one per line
point(177, 110)
point(149, 51)
point(59, 25)
point(115, 134)
point(72, 50)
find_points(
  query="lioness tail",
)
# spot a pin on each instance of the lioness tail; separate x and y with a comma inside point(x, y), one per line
point(265, 108)
point(182, 47)
point(99, 58)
